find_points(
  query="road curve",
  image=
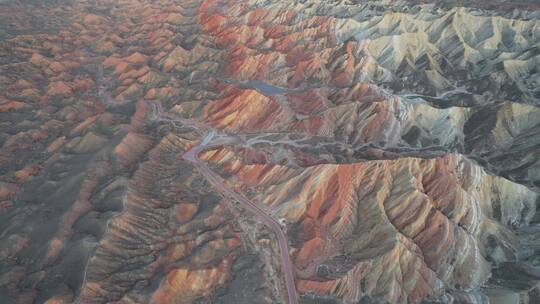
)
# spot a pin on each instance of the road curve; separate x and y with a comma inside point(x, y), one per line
point(192, 156)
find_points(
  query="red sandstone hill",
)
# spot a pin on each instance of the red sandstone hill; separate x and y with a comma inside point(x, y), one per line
point(396, 144)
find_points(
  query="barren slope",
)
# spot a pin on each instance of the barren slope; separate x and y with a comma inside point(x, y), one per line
point(398, 145)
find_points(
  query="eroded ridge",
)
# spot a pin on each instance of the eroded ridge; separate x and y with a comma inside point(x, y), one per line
point(213, 139)
point(225, 151)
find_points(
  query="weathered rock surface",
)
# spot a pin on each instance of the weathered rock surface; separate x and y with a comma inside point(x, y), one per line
point(398, 141)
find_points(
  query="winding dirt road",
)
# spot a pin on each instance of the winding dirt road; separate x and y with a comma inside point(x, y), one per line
point(214, 139)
